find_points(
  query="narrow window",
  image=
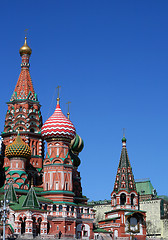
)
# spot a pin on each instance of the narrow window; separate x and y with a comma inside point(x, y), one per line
point(56, 186)
point(54, 208)
point(57, 151)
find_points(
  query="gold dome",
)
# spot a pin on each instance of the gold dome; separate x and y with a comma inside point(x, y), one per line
point(25, 49)
point(18, 149)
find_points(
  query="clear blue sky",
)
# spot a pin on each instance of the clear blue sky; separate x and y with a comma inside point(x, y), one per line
point(111, 60)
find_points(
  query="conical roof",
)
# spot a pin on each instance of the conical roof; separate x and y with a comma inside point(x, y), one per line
point(11, 194)
point(124, 178)
point(24, 87)
point(31, 200)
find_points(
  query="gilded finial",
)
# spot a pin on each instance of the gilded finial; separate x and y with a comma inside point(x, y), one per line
point(68, 113)
point(25, 49)
point(58, 99)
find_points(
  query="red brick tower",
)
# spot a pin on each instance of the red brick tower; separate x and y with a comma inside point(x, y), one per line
point(58, 131)
point(124, 194)
point(24, 114)
point(125, 220)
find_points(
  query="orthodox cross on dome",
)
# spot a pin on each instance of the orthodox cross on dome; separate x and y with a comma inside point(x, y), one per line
point(123, 132)
point(68, 113)
point(58, 94)
point(26, 33)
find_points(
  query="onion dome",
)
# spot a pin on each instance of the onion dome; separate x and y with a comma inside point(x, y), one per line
point(124, 141)
point(58, 126)
point(25, 49)
point(18, 149)
point(77, 144)
point(75, 159)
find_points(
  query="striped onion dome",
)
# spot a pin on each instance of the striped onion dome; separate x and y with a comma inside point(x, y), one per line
point(77, 144)
point(58, 126)
point(18, 149)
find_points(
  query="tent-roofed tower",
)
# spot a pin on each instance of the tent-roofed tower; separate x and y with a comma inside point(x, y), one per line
point(24, 114)
point(125, 219)
point(124, 194)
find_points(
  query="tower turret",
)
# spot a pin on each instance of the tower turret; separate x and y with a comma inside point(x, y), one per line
point(58, 131)
point(124, 194)
point(24, 114)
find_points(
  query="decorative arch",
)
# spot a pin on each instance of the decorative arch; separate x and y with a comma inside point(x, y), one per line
point(122, 199)
point(47, 161)
point(67, 161)
point(57, 161)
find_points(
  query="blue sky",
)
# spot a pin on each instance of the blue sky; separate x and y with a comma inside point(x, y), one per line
point(110, 58)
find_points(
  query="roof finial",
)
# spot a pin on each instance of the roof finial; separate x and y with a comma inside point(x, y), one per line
point(58, 99)
point(26, 33)
point(68, 113)
point(123, 132)
point(124, 139)
point(25, 49)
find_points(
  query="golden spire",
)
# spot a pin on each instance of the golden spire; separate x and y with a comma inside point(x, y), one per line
point(68, 113)
point(58, 99)
point(25, 49)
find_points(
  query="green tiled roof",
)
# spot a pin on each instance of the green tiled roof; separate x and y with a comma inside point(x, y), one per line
point(100, 230)
point(31, 200)
point(11, 194)
point(18, 206)
point(163, 197)
point(144, 187)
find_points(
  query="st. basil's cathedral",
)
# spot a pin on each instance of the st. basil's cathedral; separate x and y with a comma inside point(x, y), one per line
point(45, 190)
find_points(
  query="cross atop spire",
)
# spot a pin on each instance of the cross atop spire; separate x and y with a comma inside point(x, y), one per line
point(68, 113)
point(58, 98)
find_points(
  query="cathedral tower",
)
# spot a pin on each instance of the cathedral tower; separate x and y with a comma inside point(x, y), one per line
point(125, 219)
point(124, 194)
point(24, 114)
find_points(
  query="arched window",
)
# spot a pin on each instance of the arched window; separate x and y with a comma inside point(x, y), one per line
point(67, 208)
point(132, 199)
point(60, 208)
point(81, 210)
point(54, 208)
point(114, 200)
point(72, 208)
point(123, 199)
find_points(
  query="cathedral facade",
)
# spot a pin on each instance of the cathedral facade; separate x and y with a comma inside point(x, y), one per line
point(45, 191)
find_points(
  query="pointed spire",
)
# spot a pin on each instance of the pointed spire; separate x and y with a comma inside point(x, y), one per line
point(31, 200)
point(11, 194)
point(124, 178)
point(24, 87)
